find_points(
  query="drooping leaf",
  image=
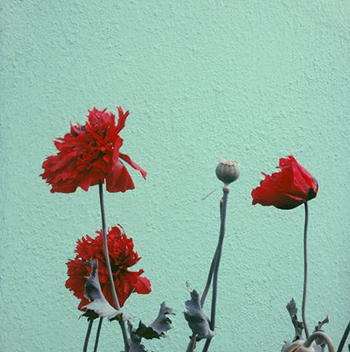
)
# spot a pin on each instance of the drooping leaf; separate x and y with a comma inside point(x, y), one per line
point(98, 306)
point(298, 325)
point(160, 325)
point(197, 320)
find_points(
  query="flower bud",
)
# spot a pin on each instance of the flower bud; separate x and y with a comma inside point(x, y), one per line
point(227, 171)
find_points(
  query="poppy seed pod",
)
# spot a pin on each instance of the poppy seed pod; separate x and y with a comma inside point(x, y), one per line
point(227, 171)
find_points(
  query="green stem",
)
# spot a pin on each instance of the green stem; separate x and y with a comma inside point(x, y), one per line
point(210, 277)
point(226, 190)
point(87, 336)
point(192, 344)
point(344, 338)
point(98, 334)
point(109, 270)
point(305, 270)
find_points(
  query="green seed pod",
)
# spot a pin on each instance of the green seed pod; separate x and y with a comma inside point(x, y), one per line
point(227, 171)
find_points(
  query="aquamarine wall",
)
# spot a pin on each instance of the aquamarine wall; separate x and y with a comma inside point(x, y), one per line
point(204, 80)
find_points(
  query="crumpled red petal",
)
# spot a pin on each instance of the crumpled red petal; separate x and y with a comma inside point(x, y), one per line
point(90, 154)
point(287, 189)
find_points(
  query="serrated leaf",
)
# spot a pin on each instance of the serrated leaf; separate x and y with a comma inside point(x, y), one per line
point(197, 320)
point(298, 325)
point(98, 306)
point(160, 325)
point(163, 323)
point(292, 308)
point(135, 340)
point(321, 343)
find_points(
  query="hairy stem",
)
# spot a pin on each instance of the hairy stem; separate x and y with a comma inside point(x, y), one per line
point(98, 334)
point(344, 338)
point(87, 336)
point(319, 335)
point(109, 270)
point(305, 270)
point(226, 190)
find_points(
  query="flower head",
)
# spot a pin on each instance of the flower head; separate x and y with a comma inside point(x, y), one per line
point(227, 171)
point(291, 186)
point(122, 257)
point(90, 154)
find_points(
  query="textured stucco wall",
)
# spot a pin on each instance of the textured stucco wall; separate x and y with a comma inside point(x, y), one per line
point(204, 79)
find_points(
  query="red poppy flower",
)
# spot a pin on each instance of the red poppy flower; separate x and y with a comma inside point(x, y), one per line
point(122, 257)
point(89, 154)
point(286, 189)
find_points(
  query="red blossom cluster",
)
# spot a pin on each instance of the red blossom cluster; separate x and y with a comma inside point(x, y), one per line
point(90, 154)
point(122, 257)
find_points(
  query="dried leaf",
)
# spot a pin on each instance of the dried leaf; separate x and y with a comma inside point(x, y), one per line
point(197, 320)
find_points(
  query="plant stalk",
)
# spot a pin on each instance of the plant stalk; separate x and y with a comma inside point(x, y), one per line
point(226, 191)
point(98, 334)
point(212, 268)
point(192, 344)
point(344, 338)
point(305, 270)
point(109, 270)
point(87, 336)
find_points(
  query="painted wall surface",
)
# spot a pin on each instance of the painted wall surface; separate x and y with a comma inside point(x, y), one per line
point(204, 79)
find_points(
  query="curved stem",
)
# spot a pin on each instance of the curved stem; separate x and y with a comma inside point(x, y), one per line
point(210, 277)
point(212, 267)
point(87, 336)
point(344, 338)
point(294, 346)
point(98, 334)
point(319, 335)
point(192, 344)
point(109, 270)
point(305, 270)
point(206, 346)
point(226, 190)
